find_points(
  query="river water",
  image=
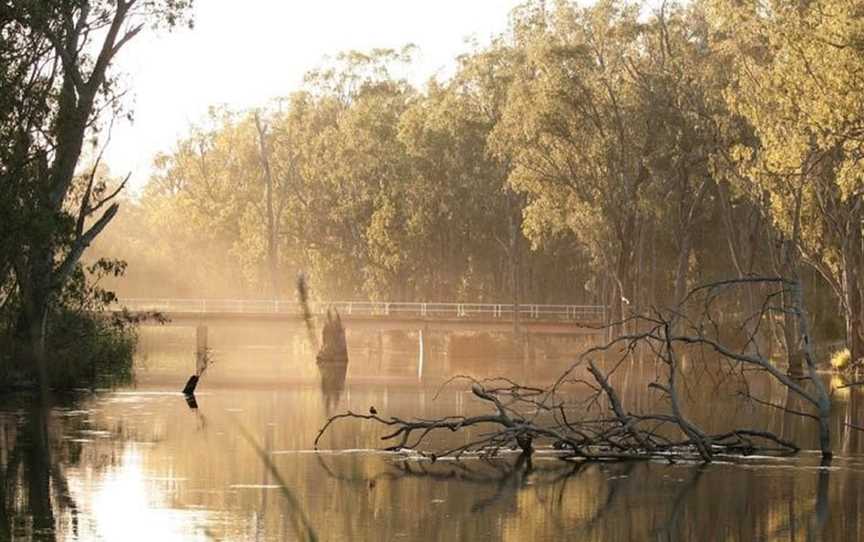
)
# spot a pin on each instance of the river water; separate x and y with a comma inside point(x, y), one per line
point(139, 463)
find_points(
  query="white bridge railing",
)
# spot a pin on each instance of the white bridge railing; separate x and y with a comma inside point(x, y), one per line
point(591, 313)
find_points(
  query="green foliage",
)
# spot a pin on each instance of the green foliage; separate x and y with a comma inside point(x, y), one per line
point(615, 153)
point(797, 81)
point(840, 359)
point(58, 90)
point(87, 348)
point(90, 351)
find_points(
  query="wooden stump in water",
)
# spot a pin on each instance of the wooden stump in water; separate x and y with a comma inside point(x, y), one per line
point(334, 348)
point(201, 360)
point(189, 389)
point(191, 401)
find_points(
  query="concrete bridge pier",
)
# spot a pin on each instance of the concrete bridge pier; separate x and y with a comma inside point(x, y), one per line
point(421, 354)
point(433, 361)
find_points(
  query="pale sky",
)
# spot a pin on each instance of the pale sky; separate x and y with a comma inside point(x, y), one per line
point(244, 53)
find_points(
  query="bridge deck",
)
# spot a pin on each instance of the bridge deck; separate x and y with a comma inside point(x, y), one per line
point(381, 315)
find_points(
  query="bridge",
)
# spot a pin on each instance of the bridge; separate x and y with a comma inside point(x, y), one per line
point(378, 315)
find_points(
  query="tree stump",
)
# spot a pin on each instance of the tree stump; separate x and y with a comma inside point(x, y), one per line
point(191, 384)
point(334, 348)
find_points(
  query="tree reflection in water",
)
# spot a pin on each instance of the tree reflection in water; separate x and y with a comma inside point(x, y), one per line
point(548, 480)
point(332, 383)
point(34, 489)
point(140, 464)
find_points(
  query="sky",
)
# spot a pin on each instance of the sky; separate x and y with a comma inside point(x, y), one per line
point(242, 54)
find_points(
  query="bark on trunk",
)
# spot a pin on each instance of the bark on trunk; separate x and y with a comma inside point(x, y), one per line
point(743, 263)
point(515, 267)
point(35, 282)
point(272, 247)
point(791, 336)
point(682, 268)
point(853, 258)
point(621, 300)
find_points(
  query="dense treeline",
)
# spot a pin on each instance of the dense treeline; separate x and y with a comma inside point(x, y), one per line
point(612, 154)
point(373, 187)
point(616, 154)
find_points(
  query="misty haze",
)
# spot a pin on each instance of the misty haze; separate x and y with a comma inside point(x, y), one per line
point(375, 270)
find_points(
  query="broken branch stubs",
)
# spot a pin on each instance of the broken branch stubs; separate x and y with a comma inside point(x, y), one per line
point(585, 418)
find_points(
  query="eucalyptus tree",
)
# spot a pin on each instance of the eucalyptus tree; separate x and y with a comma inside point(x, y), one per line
point(466, 221)
point(203, 200)
point(62, 87)
point(577, 139)
point(354, 174)
point(798, 82)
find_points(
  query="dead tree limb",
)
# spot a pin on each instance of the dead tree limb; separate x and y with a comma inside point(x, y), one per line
point(583, 416)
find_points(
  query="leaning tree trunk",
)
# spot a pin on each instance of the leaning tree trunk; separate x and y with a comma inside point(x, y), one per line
point(791, 335)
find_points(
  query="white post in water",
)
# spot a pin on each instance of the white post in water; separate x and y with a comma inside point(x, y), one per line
point(420, 356)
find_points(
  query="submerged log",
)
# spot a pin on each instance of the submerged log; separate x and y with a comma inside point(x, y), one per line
point(334, 348)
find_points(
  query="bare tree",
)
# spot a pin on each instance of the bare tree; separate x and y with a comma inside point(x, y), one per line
point(583, 415)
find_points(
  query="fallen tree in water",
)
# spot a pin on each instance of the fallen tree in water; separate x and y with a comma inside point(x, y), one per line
point(583, 416)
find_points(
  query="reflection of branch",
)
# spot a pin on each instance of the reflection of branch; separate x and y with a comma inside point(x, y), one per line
point(615, 486)
point(508, 484)
point(816, 517)
point(669, 527)
point(507, 478)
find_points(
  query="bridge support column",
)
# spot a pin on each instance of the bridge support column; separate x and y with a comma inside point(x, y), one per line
point(445, 354)
point(421, 355)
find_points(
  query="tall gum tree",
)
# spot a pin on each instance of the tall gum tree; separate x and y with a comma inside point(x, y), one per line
point(612, 124)
point(798, 81)
point(77, 42)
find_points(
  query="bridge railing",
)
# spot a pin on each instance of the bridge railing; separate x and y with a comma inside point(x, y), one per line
point(505, 311)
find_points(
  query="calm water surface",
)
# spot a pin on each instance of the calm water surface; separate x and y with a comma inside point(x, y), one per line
point(141, 464)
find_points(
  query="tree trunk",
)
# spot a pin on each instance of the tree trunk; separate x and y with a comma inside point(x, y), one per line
point(515, 267)
point(790, 266)
point(743, 265)
point(272, 256)
point(35, 283)
point(683, 267)
point(621, 291)
point(853, 258)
